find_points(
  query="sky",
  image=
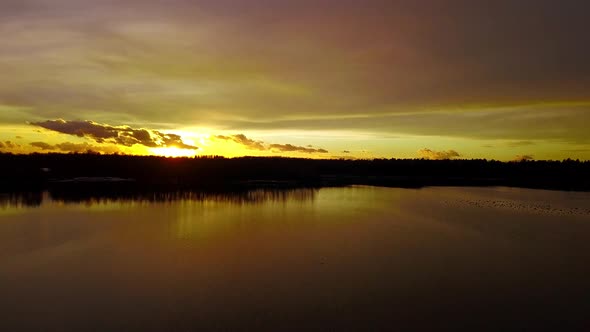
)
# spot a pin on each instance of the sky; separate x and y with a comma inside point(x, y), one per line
point(430, 79)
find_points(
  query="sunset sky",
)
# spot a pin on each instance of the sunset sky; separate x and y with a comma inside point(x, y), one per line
point(499, 79)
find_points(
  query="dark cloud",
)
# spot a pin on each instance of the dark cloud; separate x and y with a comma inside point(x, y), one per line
point(121, 135)
point(294, 148)
point(89, 129)
point(344, 157)
point(173, 140)
point(261, 146)
point(1, 145)
point(43, 146)
point(245, 141)
point(524, 157)
point(345, 151)
point(75, 147)
point(84, 147)
point(438, 155)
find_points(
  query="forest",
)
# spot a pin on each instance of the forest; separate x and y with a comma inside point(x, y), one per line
point(91, 171)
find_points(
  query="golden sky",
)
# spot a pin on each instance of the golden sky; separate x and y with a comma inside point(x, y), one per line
point(318, 79)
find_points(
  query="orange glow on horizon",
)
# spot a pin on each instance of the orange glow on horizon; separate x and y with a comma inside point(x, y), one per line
point(173, 152)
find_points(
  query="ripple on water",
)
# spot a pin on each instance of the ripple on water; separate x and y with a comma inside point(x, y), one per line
point(528, 207)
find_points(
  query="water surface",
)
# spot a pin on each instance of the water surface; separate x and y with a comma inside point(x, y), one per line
point(337, 258)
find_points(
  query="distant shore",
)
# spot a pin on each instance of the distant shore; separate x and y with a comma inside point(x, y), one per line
point(90, 172)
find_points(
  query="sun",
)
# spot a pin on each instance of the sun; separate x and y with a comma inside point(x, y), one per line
point(173, 152)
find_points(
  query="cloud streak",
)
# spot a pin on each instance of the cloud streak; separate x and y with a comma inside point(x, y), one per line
point(261, 146)
point(120, 135)
point(517, 144)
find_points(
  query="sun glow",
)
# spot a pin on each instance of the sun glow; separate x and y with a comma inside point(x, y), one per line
point(173, 152)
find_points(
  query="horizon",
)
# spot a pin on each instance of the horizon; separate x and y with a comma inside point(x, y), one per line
point(517, 159)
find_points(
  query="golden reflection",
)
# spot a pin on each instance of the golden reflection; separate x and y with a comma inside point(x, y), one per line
point(9, 201)
point(107, 199)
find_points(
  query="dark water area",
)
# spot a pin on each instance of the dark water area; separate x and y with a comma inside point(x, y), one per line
point(352, 258)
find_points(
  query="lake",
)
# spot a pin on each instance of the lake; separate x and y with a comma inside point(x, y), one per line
point(352, 258)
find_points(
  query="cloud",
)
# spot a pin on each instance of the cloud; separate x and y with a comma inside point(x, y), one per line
point(121, 135)
point(261, 146)
point(11, 145)
point(75, 147)
point(243, 140)
point(43, 146)
point(344, 157)
point(345, 151)
point(173, 140)
point(355, 66)
point(524, 157)
point(330, 56)
point(438, 155)
point(564, 122)
point(516, 144)
point(83, 147)
point(294, 148)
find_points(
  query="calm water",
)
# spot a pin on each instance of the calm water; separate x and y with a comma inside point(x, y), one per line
point(339, 258)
